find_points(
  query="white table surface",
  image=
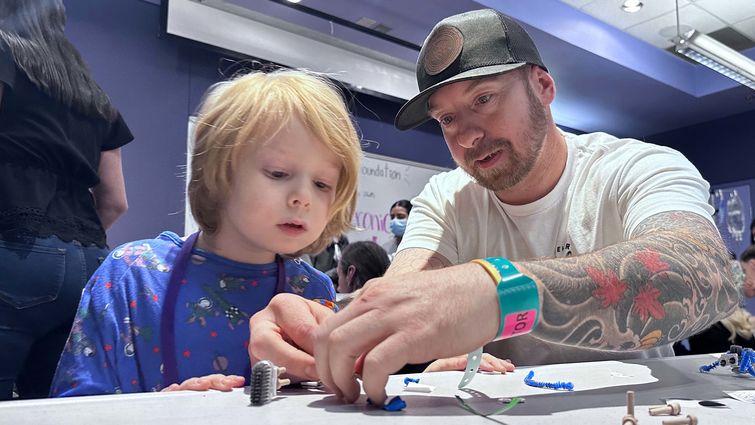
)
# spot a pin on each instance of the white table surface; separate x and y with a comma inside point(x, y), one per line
point(671, 378)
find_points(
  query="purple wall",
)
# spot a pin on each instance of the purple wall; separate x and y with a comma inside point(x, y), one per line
point(723, 149)
point(157, 82)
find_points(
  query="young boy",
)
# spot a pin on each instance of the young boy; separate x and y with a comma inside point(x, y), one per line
point(274, 171)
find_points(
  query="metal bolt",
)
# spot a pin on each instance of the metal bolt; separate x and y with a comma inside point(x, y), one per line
point(689, 420)
point(672, 408)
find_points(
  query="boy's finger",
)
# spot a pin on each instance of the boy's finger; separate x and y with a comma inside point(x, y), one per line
point(269, 345)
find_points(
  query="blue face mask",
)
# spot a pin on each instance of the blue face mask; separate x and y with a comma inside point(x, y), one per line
point(398, 226)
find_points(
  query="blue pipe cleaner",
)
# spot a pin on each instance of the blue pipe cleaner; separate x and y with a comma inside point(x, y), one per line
point(396, 404)
point(708, 367)
point(407, 380)
point(559, 385)
point(744, 359)
point(745, 363)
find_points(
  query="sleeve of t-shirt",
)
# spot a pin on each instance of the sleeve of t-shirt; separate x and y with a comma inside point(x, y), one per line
point(7, 66)
point(93, 360)
point(118, 136)
point(431, 223)
point(659, 179)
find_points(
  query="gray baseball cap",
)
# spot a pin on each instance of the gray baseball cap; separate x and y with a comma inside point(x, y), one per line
point(470, 45)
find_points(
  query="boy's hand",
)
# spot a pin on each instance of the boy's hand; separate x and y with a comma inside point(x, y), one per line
point(488, 363)
point(283, 332)
point(210, 382)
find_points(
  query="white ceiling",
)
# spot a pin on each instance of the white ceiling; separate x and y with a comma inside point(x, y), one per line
point(612, 68)
point(655, 23)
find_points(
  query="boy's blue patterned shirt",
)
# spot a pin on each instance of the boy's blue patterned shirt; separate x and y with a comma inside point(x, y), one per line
point(114, 345)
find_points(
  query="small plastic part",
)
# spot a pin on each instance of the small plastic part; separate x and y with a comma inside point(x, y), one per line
point(739, 359)
point(708, 367)
point(672, 409)
point(265, 382)
point(630, 403)
point(629, 418)
point(689, 420)
point(407, 380)
point(473, 364)
point(509, 403)
point(559, 385)
point(419, 388)
point(394, 405)
point(311, 384)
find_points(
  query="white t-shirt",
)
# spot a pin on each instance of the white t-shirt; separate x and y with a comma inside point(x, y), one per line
point(608, 187)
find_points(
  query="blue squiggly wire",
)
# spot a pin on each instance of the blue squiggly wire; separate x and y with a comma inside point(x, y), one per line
point(559, 385)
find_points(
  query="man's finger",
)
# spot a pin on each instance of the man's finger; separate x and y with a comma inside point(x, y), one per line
point(322, 341)
point(347, 343)
point(385, 358)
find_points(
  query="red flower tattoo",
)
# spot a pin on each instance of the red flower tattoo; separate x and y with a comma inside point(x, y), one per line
point(610, 289)
point(646, 303)
point(652, 261)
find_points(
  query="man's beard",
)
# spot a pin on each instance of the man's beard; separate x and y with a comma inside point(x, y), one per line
point(515, 166)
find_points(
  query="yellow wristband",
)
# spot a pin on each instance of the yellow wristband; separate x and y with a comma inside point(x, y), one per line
point(492, 271)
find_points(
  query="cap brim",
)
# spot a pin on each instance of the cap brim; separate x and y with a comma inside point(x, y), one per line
point(414, 112)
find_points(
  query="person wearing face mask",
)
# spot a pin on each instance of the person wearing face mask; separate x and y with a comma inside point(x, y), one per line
point(399, 214)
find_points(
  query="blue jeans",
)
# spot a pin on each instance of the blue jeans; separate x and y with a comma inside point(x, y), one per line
point(40, 287)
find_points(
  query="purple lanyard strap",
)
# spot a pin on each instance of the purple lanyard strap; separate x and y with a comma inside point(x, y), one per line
point(168, 325)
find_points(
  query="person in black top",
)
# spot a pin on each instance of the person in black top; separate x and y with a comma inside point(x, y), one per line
point(61, 187)
point(360, 262)
point(327, 259)
point(736, 329)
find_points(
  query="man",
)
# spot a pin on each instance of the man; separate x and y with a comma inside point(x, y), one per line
point(616, 234)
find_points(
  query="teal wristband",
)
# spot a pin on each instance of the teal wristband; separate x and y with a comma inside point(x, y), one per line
point(518, 300)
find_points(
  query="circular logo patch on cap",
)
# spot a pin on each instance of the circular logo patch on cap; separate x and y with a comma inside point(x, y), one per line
point(442, 49)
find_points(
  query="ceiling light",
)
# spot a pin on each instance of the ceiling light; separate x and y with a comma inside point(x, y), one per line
point(631, 6)
point(717, 56)
point(293, 1)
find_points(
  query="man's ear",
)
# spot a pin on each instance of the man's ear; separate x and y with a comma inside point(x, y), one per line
point(542, 84)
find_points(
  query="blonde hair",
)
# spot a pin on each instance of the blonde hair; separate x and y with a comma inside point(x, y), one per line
point(739, 323)
point(249, 111)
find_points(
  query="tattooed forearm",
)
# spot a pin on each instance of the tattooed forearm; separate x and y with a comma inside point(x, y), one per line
point(416, 259)
point(668, 282)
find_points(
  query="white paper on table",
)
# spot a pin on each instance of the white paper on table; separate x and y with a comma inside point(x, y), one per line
point(584, 376)
point(746, 396)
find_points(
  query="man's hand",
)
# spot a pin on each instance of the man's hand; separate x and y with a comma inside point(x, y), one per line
point(283, 333)
point(210, 382)
point(439, 313)
point(488, 363)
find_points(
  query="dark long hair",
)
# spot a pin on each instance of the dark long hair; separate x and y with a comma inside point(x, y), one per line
point(369, 259)
point(33, 31)
point(403, 203)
